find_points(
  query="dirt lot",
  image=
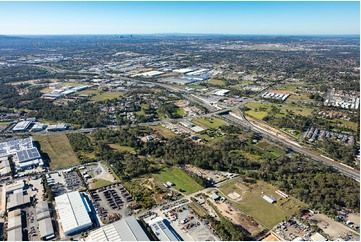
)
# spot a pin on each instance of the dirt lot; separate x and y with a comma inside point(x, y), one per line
point(334, 229)
point(354, 217)
point(239, 218)
point(271, 237)
point(97, 172)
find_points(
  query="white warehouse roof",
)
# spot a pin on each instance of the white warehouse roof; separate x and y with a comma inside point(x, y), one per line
point(22, 126)
point(183, 70)
point(127, 229)
point(73, 212)
point(221, 92)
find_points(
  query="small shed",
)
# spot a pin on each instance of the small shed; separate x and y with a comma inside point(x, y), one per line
point(269, 199)
point(215, 196)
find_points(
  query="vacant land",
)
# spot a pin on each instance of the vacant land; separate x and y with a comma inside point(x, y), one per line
point(292, 88)
point(258, 109)
point(122, 148)
point(250, 201)
point(257, 114)
point(209, 122)
point(89, 92)
point(182, 182)
point(198, 209)
point(166, 133)
point(106, 96)
point(298, 98)
point(45, 90)
point(216, 82)
point(96, 183)
point(345, 124)
point(59, 150)
point(275, 151)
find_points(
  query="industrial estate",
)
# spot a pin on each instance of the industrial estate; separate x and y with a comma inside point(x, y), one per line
point(172, 137)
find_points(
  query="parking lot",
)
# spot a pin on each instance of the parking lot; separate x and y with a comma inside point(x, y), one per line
point(111, 202)
point(73, 181)
point(36, 188)
point(188, 226)
point(31, 227)
point(292, 229)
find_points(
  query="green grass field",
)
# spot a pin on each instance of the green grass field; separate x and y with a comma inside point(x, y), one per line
point(5, 122)
point(345, 124)
point(166, 133)
point(59, 150)
point(259, 110)
point(106, 96)
point(267, 214)
point(257, 114)
point(45, 90)
point(298, 98)
point(216, 82)
point(180, 111)
point(180, 179)
point(99, 183)
point(122, 148)
point(209, 122)
point(195, 86)
point(89, 92)
point(255, 206)
point(291, 88)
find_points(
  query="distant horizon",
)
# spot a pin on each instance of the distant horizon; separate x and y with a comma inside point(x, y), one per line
point(223, 18)
point(170, 34)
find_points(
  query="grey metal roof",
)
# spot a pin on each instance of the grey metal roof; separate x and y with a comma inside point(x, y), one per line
point(46, 227)
point(42, 210)
point(15, 235)
point(14, 222)
point(133, 230)
point(127, 229)
point(17, 199)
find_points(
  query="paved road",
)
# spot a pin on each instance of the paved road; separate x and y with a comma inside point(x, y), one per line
point(241, 120)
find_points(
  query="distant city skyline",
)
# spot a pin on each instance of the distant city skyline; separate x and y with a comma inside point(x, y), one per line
point(271, 18)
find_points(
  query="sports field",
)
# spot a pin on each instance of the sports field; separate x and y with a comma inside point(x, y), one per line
point(182, 182)
point(59, 150)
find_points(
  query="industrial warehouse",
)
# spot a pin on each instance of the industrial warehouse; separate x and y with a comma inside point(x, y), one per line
point(25, 155)
point(73, 210)
point(127, 229)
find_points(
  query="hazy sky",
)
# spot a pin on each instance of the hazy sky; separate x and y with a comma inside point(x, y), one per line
point(179, 17)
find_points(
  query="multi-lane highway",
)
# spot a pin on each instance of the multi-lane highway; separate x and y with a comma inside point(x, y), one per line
point(241, 120)
point(268, 134)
